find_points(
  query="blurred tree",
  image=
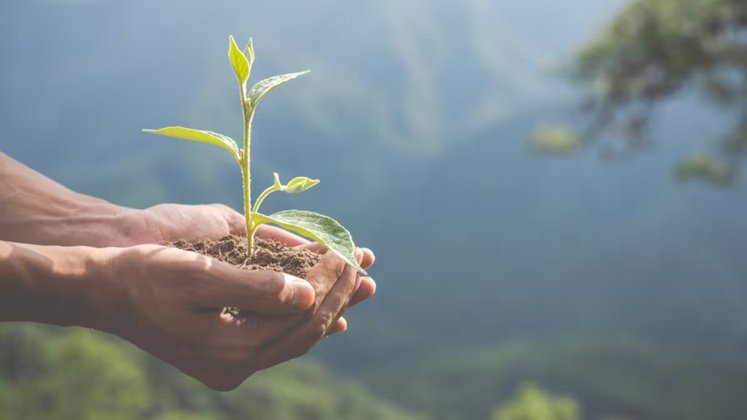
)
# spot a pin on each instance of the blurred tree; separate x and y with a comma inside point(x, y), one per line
point(52, 373)
point(532, 403)
point(92, 378)
point(554, 138)
point(654, 49)
point(76, 376)
point(706, 167)
point(185, 415)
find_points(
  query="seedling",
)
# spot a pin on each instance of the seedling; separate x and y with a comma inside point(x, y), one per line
point(322, 229)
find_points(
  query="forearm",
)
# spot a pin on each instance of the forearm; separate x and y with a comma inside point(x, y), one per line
point(55, 285)
point(35, 209)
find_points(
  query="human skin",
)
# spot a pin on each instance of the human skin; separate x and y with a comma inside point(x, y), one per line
point(94, 264)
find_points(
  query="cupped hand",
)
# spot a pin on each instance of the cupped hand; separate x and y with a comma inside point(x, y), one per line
point(171, 303)
point(171, 222)
point(367, 287)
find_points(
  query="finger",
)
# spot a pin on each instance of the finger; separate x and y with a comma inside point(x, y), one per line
point(340, 325)
point(324, 275)
point(332, 307)
point(300, 340)
point(286, 329)
point(365, 291)
point(368, 258)
point(264, 292)
point(280, 235)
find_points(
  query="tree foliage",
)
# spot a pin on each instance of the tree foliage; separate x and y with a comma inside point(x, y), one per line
point(556, 138)
point(48, 373)
point(532, 403)
point(654, 49)
point(70, 376)
point(610, 379)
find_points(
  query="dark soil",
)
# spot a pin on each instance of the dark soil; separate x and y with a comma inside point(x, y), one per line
point(268, 254)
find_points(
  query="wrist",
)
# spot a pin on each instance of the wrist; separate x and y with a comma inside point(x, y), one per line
point(102, 224)
point(99, 292)
point(34, 209)
point(83, 221)
point(65, 286)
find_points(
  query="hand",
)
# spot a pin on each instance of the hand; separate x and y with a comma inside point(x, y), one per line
point(170, 222)
point(366, 259)
point(367, 287)
point(173, 300)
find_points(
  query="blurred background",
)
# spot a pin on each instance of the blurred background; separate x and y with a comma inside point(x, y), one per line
point(552, 190)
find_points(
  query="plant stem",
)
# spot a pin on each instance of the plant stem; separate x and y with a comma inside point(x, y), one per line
point(246, 173)
point(261, 198)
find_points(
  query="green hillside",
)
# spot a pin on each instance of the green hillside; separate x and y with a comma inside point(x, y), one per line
point(50, 373)
point(609, 379)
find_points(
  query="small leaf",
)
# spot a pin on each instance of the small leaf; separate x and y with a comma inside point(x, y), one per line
point(202, 136)
point(325, 230)
point(249, 53)
point(238, 61)
point(300, 184)
point(296, 185)
point(262, 88)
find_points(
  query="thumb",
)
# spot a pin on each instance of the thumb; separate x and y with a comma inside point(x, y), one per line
point(265, 292)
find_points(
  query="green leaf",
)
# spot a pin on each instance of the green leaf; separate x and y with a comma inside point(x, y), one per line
point(238, 61)
point(262, 88)
point(249, 53)
point(318, 227)
point(299, 184)
point(202, 136)
point(296, 185)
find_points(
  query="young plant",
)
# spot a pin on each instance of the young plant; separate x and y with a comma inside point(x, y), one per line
point(315, 226)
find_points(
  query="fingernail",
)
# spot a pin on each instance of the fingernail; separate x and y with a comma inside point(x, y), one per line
point(373, 283)
point(344, 326)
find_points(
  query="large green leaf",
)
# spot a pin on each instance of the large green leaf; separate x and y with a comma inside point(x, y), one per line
point(320, 228)
point(202, 136)
point(262, 88)
point(238, 60)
